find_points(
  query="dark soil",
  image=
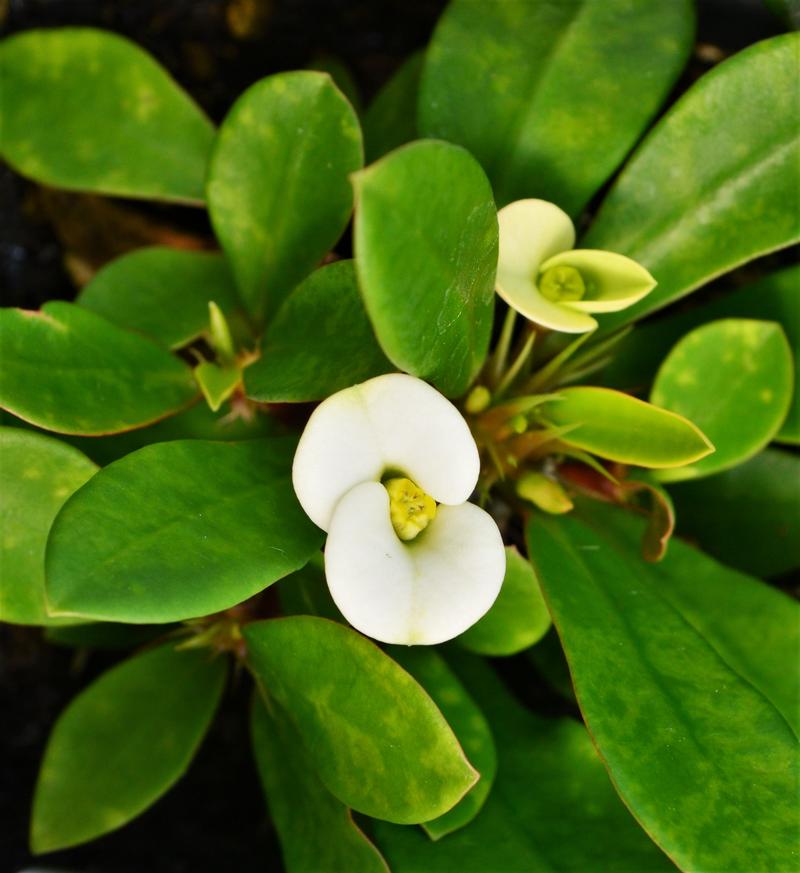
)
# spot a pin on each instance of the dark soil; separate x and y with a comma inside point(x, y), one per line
point(214, 819)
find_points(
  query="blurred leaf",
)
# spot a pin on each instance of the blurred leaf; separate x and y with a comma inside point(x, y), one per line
point(278, 189)
point(733, 378)
point(317, 832)
point(104, 635)
point(552, 808)
point(319, 342)
point(519, 617)
point(468, 724)
point(748, 517)
point(714, 185)
point(305, 592)
point(621, 428)
point(391, 118)
point(426, 255)
point(550, 96)
point(37, 475)
point(342, 77)
point(377, 740)
point(163, 293)
point(88, 110)
point(680, 669)
point(217, 382)
point(773, 298)
point(178, 530)
point(71, 371)
point(123, 742)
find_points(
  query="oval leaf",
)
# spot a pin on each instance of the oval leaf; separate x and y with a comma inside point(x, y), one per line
point(377, 740)
point(426, 255)
point(178, 530)
point(552, 808)
point(163, 293)
point(88, 110)
point(317, 831)
point(734, 379)
point(621, 428)
point(69, 370)
point(518, 618)
point(319, 342)
point(714, 184)
point(468, 724)
point(278, 189)
point(37, 475)
point(551, 96)
point(680, 670)
point(122, 743)
point(748, 517)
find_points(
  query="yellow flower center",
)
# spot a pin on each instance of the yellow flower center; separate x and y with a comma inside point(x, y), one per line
point(561, 284)
point(410, 508)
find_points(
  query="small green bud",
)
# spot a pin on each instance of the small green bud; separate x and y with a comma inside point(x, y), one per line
point(562, 284)
point(478, 400)
point(519, 423)
point(220, 334)
point(545, 493)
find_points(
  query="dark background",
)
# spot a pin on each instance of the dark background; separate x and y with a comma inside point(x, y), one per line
point(214, 819)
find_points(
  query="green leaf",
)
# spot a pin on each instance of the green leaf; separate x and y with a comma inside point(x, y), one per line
point(317, 832)
point(391, 118)
point(550, 96)
point(104, 635)
point(377, 740)
point(88, 110)
point(163, 293)
point(748, 517)
point(713, 186)
point(342, 77)
point(278, 188)
point(306, 592)
point(69, 370)
point(734, 379)
point(621, 428)
point(178, 530)
point(123, 742)
point(319, 342)
point(680, 669)
point(217, 382)
point(37, 475)
point(518, 618)
point(468, 723)
point(426, 255)
point(552, 808)
point(773, 298)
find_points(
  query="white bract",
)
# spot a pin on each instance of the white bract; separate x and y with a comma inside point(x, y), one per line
point(541, 276)
point(371, 466)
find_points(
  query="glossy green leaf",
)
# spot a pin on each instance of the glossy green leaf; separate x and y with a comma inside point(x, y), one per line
point(319, 342)
point(552, 808)
point(518, 618)
point(391, 118)
point(426, 255)
point(468, 723)
point(178, 530)
point(123, 742)
point(162, 293)
point(69, 370)
point(278, 189)
point(621, 428)
point(713, 186)
point(88, 110)
point(748, 517)
point(317, 831)
point(773, 298)
point(378, 741)
point(733, 378)
point(37, 475)
point(681, 671)
point(551, 95)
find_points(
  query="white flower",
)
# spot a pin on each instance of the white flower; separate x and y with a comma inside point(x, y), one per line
point(371, 466)
point(541, 276)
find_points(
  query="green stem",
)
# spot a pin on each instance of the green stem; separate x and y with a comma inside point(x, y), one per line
point(503, 345)
point(519, 361)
